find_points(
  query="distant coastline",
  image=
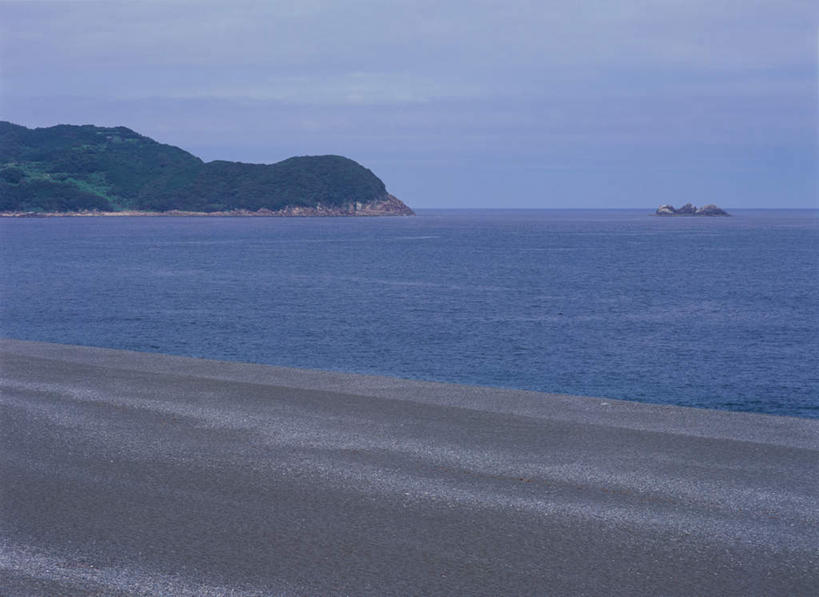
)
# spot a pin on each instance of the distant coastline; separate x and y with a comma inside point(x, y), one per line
point(69, 170)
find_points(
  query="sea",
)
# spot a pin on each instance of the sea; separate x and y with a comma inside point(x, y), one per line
point(717, 313)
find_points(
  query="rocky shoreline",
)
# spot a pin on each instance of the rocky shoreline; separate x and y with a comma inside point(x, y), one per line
point(390, 206)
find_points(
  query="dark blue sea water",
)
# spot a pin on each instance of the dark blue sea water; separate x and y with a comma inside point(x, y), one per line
point(709, 312)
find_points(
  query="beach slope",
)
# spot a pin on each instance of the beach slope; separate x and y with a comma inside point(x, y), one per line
point(128, 473)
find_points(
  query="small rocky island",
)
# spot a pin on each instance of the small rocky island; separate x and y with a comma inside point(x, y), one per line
point(68, 170)
point(691, 210)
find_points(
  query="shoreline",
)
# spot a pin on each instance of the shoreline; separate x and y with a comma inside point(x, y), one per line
point(176, 214)
point(143, 473)
point(653, 416)
point(237, 213)
point(389, 206)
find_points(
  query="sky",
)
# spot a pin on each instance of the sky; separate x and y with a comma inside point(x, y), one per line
point(454, 104)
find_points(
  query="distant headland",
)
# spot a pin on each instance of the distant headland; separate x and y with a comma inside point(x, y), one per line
point(691, 210)
point(69, 170)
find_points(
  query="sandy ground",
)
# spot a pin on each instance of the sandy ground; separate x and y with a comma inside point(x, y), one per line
point(128, 473)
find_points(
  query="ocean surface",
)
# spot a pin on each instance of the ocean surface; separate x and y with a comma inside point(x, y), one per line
point(707, 312)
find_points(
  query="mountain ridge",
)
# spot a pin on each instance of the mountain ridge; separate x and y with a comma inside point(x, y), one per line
point(69, 169)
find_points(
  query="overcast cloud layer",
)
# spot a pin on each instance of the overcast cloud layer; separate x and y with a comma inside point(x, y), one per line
point(454, 104)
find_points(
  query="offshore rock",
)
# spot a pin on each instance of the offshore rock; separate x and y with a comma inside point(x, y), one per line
point(691, 210)
point(711, 210)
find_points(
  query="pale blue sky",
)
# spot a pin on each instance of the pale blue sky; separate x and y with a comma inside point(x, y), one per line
point(453, 104)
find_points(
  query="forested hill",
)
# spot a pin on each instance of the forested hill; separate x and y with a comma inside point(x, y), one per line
point(67, 168)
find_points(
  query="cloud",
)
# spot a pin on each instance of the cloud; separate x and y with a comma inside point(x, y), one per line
point(529, 86)
point(494, 45)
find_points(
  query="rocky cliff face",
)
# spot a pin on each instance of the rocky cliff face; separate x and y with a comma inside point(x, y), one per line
point(691, 210)
point(388, 206)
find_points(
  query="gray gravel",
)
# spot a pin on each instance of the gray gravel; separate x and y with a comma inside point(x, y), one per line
point(136, 474)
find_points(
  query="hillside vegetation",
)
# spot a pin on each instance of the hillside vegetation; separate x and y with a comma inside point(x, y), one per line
point(77, 168)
